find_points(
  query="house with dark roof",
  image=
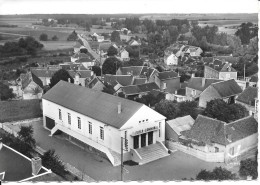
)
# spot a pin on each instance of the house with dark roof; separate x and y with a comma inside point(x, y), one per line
point(96, 84)
point(196, 85)
point(31, 86)
point(220, 70)
point(80, 76)
point(249, 98)
point(211, 136)
point(226, 90)
point(167, 81)
point(100, 120)
point(138, 90)
point(124, 55)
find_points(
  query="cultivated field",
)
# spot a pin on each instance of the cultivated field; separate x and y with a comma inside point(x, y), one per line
point(54, 45)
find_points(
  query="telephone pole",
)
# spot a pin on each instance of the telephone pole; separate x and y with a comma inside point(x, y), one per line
point(122, 157)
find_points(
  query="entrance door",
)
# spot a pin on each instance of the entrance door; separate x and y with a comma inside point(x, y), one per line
point(50, 123)
point(136, 142)
point(143, 140)
point(150, 138)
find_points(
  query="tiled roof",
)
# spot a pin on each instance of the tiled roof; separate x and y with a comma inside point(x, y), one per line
point(138, 81)
point(196, 83)
point(248, 95)
point(209, 130)
point(134, 70)
point(227, 88)
point(94, 104)
point(226, 67)
point(82, 60)
point(137, 89)
point(27, 78)
point(43, 72)
point(167, 75)
point(123, 80)
point(181, 124)
point(82, 73)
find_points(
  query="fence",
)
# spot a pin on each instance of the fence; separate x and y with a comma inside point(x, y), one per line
point(209, 157)
point(8, 130)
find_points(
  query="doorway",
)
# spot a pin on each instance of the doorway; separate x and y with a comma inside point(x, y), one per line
point(150, 138)
point(136, 142)
point(143, 140)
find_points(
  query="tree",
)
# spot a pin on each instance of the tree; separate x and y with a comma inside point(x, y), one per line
point(115, 36)
point(246, 32)
point(235, 45)
point(61, 74)
point(83, 50)
point(43, 37)
point(6, 93)
point(223, 111)
point(112, 51)
point(253, 46)
point(167, 108)
point(96, 70)
point(73, 36)
point(52, 161)
point(218, 173)
point(55, 38)
point(111, 65)
point(248, 167)
point(133, 62)
point(188, 108)
point(26, 143)
point(151, 99)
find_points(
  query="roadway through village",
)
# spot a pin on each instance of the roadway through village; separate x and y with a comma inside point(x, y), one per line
point(174, 167)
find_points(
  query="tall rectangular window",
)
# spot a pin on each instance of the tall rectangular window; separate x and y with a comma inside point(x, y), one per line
point(60, 116)
point(79, 123)
point(89, 127)
point(69, 118)
point(102, 133)
point(159, 129)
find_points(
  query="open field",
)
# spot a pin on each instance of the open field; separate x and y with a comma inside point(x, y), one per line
point(19, 110)
point(18, 21)
point(54, 45)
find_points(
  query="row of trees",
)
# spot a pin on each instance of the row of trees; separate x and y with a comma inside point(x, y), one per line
point(44, 37)
point(6, 93)
point(25, 46)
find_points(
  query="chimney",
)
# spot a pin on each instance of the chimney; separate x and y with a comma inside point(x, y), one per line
point(119, 108)
point(250, 113)
point(36, 165)
point(175, 92)
point(192, 75)
point(69, 80)
point(203, 81)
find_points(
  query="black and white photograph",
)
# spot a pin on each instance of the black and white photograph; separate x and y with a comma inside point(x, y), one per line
point(128, 91)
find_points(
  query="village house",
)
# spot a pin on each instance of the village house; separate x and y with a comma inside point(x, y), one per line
point(78, 47)
point(124, 55)
point(135, 91)
point(220, 70)
point(167, 81)
point(191, 51)
point(248, 99)
point(101, 120)
point(196, 85)
point(213, 140)
point(31, 86)
point(174, 127)
point(226, 90)
point(81, 77)
point(179, 95)
point(96, 84)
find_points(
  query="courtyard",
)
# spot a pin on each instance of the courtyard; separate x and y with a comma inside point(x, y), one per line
point(177, 166)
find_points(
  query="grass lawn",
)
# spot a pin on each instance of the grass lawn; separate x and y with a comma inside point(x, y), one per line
point(54, 45)
point(19, 110)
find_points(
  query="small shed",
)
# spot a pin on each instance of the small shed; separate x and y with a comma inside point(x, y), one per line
point(174, 127)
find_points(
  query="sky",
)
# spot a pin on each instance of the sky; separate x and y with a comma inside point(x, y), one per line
point(126, 6)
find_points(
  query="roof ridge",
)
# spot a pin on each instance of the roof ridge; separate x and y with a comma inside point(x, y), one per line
point(247, 117)
point(211, 118)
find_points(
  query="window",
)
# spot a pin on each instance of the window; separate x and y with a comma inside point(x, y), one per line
point(146, 119)
point(89, 127)
point(164, 85)
point(102, 133)
point(79, 123)
point(69, 118)
point(140, 121)
point(232, 151)
point(60, 116)
point(159, 129)
point(216, 149)
point(126, 141)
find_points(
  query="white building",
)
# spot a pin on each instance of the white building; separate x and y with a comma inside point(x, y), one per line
point(100, 120)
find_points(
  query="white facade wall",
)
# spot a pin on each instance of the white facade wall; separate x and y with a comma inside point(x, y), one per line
point(111, 135)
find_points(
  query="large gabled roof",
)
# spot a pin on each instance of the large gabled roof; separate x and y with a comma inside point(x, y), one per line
point(123, 80)
point(209, 130)
point(181, 124)
point(248, 96)
point(196, 83)
point(94, 104)
point(27, 78)
point(227, 88)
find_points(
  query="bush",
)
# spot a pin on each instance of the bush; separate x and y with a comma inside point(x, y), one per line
point(218, 173)
point(54, 38)
point(248, 167)
point(43, 37)
point(52, 161)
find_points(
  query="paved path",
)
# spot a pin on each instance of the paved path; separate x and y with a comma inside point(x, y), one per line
point(174, 167)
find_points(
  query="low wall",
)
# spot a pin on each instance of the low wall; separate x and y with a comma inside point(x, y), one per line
point(209, 157)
